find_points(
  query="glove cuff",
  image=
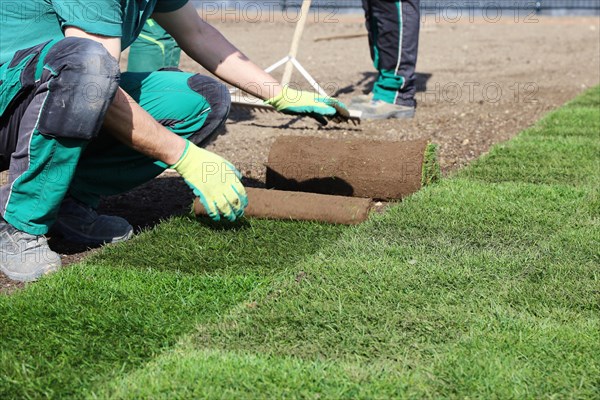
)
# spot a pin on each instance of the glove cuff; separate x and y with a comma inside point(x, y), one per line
point(185, 151)
point(276, 101)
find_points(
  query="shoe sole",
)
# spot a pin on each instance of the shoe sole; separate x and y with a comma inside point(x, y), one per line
point(31, 277)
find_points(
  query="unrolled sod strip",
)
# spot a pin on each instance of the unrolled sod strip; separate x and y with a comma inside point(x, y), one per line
point(277, 204)
point(361, 168)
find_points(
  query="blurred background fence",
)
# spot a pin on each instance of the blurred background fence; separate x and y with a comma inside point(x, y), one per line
point(431, 4)
point(540, 6)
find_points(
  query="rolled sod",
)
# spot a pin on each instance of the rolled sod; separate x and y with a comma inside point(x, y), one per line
point(361, 168)
point(277, 204)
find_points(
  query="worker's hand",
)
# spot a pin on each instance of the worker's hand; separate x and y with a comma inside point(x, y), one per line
point(214, 180)
point(299, 102)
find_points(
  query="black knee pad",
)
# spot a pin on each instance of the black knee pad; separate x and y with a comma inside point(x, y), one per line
point(82, 82)
point(219, 99)
point(215, 93)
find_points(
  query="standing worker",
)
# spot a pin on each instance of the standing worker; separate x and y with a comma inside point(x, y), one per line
point(393, 27)
point(73, 128)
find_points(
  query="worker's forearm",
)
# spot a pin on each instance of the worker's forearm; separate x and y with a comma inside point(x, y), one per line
point(132, 125)
point(244, 74)
point(223, 59)
point(207, 46)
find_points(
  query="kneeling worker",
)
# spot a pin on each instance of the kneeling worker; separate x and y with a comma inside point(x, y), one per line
point(73, 128)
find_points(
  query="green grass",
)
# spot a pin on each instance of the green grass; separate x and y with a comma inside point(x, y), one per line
point(431, 171)
point(93, 322)
point(484, 285)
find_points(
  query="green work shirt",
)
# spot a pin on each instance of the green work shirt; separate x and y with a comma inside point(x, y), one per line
point(26, 23)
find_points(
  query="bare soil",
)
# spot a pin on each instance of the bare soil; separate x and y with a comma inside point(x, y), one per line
point(479, 83)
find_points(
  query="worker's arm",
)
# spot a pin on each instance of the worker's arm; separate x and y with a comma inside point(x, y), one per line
point(207, 46)
point(212, 178)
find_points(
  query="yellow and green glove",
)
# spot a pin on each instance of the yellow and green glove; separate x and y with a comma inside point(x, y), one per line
point(299, 102)
point(214, 180)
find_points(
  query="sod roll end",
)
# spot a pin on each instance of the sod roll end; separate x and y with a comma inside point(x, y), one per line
point(361, 168)
point(431, 171)
point(299, 206)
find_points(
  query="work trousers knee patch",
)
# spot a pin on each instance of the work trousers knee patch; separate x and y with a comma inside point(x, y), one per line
point(219, 99)
point(83, 80)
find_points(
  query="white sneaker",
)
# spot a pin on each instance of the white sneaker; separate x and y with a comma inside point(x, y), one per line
point(25, 257)
point(362, 99)
point(378, 109)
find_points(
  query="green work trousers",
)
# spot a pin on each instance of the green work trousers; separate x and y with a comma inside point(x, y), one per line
point(52, 141)
point(154, 49)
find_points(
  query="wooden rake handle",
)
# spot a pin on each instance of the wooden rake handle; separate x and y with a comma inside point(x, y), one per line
point(289, 66)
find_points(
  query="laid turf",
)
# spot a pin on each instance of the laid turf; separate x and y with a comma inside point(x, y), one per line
point(97, 320)
point(483, 285)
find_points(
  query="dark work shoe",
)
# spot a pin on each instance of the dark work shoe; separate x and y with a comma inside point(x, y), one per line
point(80, 223)
point(25, 257)
point(378, 109)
